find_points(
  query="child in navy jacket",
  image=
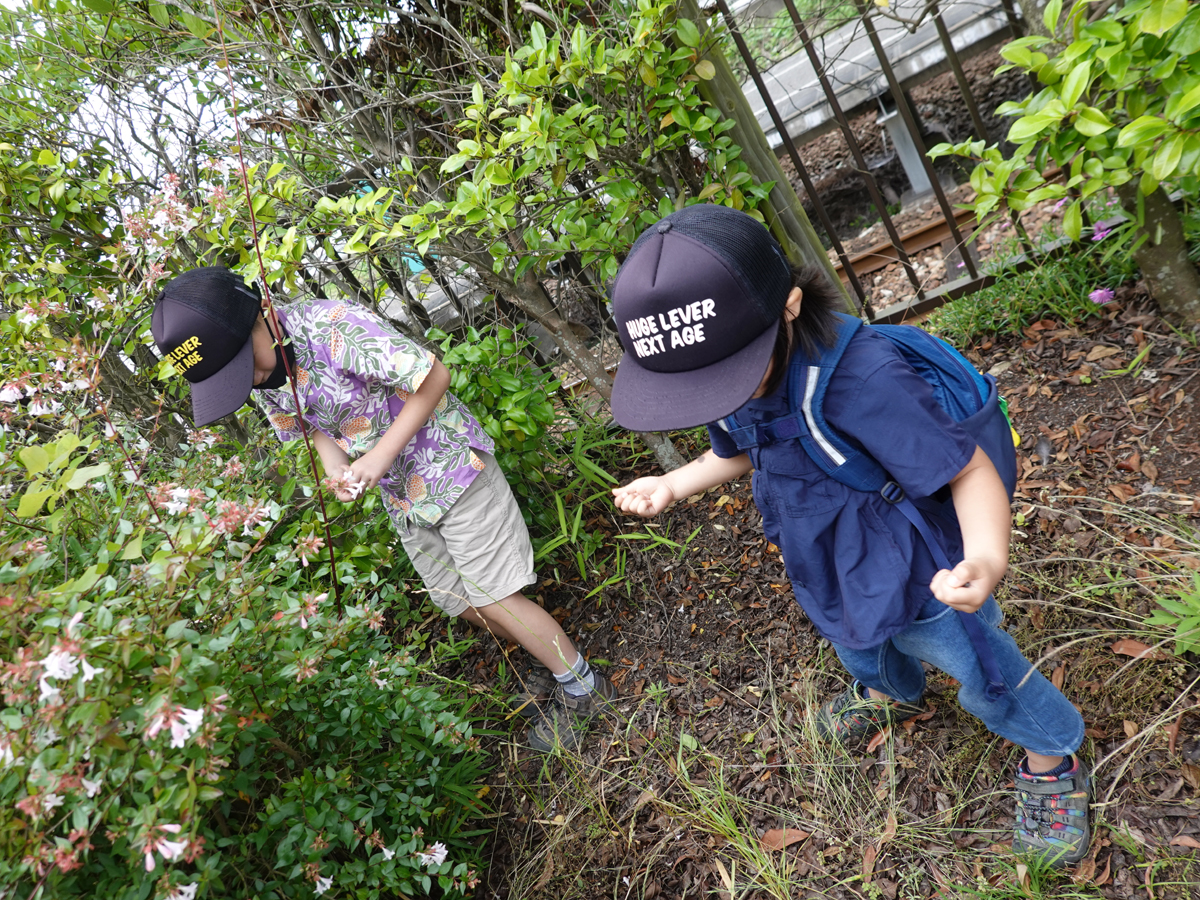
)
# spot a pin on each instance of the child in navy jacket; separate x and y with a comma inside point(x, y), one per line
point(710, 312)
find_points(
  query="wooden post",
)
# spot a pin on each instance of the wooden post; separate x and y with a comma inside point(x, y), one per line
point(784, 214)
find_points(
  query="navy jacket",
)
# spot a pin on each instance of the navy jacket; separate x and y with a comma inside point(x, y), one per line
point(858, 567)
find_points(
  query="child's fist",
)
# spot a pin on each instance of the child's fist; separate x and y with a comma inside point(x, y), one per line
point(968, 585)
point(644, 496)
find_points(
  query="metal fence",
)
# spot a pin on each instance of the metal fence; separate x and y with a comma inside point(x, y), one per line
point(851, 65)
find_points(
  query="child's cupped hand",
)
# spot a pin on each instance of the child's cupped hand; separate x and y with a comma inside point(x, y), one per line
point(967, 585)
point(369, 468)
point(644, 496)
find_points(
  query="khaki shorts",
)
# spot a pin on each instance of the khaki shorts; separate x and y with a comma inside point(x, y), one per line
point(479, 551)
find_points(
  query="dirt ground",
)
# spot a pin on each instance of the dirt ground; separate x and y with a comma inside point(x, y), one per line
point(710, 770)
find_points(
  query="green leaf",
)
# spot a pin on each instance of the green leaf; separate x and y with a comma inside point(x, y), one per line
point(195, 25)
point(1027, 127)
point(1091, 122)
point(1162, 166)
point(1051, 14)
point(160, 14)
point(1141, 130)
point(104, 7)
point(1017, 54)
point(84, 474)
point(1163, 15)
point(1072, 223)
point(688, 33)
point(34, 458)
point(133, 550)
point(1186, 39)
point(31, 502)
point(1187, 102)
point(47, 158)
point(706, 70)
point(1075, 84)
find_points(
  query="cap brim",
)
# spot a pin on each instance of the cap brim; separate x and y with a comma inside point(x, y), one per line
point(218, 395)
point(665, 401)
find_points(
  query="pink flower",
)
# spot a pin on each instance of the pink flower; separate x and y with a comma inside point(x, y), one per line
point(1100, 232)
point(1101, 296)
point(309, 546)
point(308, 607)
point(233, 468)
point(157, 842)
point(306, 669)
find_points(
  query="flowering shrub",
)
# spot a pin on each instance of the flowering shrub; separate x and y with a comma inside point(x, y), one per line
point(188, 710)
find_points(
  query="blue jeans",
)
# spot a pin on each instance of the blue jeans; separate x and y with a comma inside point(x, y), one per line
point(1035, 716)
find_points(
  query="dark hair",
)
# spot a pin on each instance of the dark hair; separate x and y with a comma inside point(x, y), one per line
point(815, 327)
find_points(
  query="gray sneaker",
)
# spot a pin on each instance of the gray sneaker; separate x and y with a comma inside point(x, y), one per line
point(1052, 815)
point(535, 686)
point(566, 718)
point(853, 714)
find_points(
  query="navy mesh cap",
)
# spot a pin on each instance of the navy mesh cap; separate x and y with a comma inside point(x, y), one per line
point(697, 303)
point(202, 322)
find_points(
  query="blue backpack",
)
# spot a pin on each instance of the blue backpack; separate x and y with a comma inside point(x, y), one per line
point(971, 399)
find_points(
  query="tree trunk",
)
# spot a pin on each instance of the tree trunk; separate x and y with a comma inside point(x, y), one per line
point(1163, 256)
point(530, 295)
point(785, 217)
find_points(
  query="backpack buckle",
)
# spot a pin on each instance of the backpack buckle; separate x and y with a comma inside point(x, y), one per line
point(892, 492)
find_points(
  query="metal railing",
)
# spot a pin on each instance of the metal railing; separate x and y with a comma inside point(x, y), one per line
point(848, 78)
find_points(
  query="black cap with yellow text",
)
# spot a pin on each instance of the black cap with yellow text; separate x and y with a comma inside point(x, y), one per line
point(202, 322)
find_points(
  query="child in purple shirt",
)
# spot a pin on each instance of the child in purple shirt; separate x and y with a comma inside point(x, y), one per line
point(378, 409)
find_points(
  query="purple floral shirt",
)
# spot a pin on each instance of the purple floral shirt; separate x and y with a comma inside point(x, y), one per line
point(353, 373)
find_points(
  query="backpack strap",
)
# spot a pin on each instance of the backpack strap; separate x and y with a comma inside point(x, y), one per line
point(995, 688)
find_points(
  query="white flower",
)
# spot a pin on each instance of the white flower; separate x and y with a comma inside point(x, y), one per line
point(184, 892)
point(89, 671)
point(27, 316)
point(60, 664)
point(49, 691)
point(51, 802)
point(10, 393)
point(74, 624)
point(185, 726)
point(6, 755)
point(388, 854)
point(323, 884)
point(171, 849)
point(434, 856)
point(181, 499)
point(44, 407)
point(91, 787)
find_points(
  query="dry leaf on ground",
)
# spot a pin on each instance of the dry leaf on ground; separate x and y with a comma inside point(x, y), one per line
point(778, 838)
point(1136, 649)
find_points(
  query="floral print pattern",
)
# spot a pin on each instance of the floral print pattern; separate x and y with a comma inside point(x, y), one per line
point(354, 373)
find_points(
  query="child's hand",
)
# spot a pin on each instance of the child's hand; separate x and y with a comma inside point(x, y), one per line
point(968, 585)
point(644, 496)
point(370, 467)
point(344, 485)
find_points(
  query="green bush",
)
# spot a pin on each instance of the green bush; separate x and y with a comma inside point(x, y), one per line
point(187, 709)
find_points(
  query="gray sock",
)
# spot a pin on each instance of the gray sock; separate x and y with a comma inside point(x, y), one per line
point(578, 679)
